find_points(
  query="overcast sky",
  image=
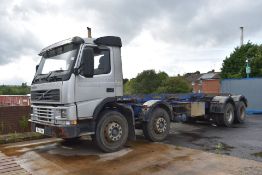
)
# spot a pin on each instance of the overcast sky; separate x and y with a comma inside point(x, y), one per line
point(174, 36)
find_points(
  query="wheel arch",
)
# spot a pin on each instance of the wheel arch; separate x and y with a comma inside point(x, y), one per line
point(218, 103)
point(230, 100)
point(149, 106)
point(124, 109)
point(239, 98)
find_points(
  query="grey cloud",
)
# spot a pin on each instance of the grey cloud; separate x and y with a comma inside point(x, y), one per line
point(192, 23)
point(218, 24)
point(15, 39)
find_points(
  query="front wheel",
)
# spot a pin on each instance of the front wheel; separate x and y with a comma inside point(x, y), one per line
point(158, 126)
point(111, 131)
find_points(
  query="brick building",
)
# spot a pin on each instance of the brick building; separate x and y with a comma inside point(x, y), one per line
point(204, 83)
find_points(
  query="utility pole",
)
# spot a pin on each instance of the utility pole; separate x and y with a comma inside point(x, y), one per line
point(241, 36)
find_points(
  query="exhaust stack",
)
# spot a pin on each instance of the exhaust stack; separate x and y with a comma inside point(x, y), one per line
point(89, 32)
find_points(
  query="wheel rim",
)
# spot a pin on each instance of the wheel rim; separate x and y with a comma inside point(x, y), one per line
point(113, 132)
point(160, 125)
point(229, 115)
point(242, 113)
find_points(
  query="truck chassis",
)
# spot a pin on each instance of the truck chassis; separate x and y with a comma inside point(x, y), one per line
point(116, 119)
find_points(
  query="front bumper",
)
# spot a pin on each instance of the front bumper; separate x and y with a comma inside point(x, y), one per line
point(70, 131)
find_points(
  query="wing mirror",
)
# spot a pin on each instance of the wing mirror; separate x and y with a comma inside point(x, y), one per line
point(87, 63)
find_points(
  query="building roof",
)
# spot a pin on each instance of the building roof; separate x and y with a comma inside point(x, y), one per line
point(209, 75)
point(196, 76)
point(192, 77)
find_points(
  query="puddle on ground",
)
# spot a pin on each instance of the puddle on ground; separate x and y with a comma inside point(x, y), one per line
point(139, 157)
point(196, 136)
point(85, 158)
point(144, 151)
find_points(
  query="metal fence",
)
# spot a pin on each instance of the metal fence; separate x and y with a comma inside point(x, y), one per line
point(251, 88)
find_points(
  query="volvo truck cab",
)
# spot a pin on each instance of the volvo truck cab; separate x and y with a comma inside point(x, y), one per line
point(77, 80)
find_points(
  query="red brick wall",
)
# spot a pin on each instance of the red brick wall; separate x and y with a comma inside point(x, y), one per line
point(211, 86)
point(207, 86)
point(10, 117)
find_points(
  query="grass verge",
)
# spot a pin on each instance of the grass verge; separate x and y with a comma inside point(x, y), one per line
point(19, 137)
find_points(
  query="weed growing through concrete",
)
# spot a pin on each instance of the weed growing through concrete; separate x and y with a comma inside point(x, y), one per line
point(219, 147)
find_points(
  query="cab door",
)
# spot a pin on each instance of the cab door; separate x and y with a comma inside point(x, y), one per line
point(89, 92)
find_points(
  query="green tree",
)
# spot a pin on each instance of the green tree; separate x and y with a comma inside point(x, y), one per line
point(174, 85)
point(146, 82)
point(14, 90)
point(125, 80)
point(149, 81)
point(234, 66)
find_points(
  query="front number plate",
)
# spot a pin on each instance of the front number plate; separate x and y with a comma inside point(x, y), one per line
point(39, 130)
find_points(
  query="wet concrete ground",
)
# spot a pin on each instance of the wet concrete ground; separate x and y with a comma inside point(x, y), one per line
point(174, 156)
point(242, 140)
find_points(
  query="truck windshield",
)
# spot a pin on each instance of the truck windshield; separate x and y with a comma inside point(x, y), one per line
point(57, 64)
point(60, 59)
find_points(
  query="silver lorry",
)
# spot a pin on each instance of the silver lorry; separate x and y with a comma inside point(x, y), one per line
point(78, 90)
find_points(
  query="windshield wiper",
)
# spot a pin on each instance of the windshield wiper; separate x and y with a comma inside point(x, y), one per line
point(47, 76)
point(51, 73)
point(55, 78)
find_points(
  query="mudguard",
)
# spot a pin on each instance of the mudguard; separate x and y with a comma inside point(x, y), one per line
point(238, 98)
point(218, 103)
point(150, 105)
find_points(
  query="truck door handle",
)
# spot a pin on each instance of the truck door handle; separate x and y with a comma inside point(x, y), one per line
point(110, 89)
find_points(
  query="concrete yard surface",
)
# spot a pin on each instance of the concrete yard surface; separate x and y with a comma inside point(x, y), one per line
point(141, 157)
point(189, 149)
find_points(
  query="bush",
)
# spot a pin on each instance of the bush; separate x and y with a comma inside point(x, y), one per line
point(23, 123)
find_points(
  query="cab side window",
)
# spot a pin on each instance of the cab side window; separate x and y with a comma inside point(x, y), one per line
point(101, 61)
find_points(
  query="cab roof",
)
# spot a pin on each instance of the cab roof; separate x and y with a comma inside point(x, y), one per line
point(105, 40)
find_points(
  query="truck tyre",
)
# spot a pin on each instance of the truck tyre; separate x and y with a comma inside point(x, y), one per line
point(158, 126)
point(111, 131)
point(240, 112)
point(227, 118)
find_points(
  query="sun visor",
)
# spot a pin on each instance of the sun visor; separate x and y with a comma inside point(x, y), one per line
point(74, 40)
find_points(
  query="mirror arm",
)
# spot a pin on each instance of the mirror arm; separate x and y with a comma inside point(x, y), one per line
point(76, 71)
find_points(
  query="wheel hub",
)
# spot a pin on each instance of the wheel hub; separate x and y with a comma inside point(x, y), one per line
point(160, 125)
point(113, 132)
point(242, 113)
point(229, 115)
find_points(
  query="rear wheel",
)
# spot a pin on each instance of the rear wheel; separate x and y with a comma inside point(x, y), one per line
point(158, 126)
point(227, 118)
point(241, 112)
point(111, 131)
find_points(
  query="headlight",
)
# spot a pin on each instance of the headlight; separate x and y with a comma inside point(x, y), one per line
point(63, 113)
